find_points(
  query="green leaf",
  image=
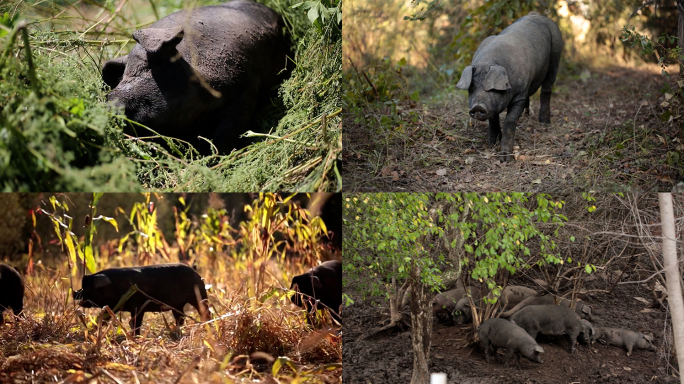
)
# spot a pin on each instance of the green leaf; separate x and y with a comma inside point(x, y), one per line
point(587, 268)
point(312, 14)
point(90, 260)
point(415, 96)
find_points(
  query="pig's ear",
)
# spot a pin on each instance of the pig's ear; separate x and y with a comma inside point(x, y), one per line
point(113, 70)
point(586, 309)
point(100, 281)
point(466, 78)
point(316, 283)
point(496, 79)
point(159, 40)
point(649, 337)
point(539, 349)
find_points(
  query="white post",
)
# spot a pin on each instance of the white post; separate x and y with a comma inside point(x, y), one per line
point(438, 378)
point(672, 276)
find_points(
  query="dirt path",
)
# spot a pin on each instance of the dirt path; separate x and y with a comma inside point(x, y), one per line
point(387, 359)
point(590, 144)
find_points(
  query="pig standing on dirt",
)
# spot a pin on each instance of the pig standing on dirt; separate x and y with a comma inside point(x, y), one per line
point(583, 310)
point(624, 338)
point(549, 320)
point(201, 72)
point(161, 288)
point(11, 291)
point(323, 283)
point(509, 68)
point(501, 333)
point(511, 296)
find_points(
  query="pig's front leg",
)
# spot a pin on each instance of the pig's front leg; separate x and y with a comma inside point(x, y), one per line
point(515, 109)
point(494, 129)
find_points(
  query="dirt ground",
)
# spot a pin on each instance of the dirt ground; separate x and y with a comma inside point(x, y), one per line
point(590, 143)
point(388, 359)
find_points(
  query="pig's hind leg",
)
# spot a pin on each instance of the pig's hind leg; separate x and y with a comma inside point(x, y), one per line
point(545, 96)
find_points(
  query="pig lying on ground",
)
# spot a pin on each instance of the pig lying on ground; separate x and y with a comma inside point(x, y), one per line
point(509, 68)
point(511, 296)
point(500, 333)
point(624, 338)
point(583, 310)
point(201, 72)
point(324, 283)
point(171, 285)
point(549, 320)
point(11, 291)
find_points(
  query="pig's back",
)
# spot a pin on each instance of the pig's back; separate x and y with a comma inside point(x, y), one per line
point(525, 48)
point(169, 283)
point(224, 42)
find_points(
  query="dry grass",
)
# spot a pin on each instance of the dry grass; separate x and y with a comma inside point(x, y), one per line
point(254, 335)
point(58, 341)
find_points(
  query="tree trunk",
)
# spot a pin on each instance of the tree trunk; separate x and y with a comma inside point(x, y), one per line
point(672, 274)
point(680, 34)
point(421, 326)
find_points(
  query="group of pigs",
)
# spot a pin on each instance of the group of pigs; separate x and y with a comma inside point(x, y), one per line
point(167, 287)
point(523, 315)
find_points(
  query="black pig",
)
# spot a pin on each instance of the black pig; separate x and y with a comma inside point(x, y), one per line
point(174, 285)
point(509, 68)
point(323, 282)
point(549, 320)
point(498, 333)
point(201, 72)
point(11, 291)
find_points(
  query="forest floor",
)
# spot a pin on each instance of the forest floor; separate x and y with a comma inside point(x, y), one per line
point(589, 145)
point(388, 358)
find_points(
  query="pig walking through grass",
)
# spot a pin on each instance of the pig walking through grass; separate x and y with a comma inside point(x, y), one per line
point(509, 68)
point(498, 333)
point(11, 291)
point(322, 283)
point(161, 288)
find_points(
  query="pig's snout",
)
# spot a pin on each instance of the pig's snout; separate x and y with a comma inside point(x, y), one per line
point(77, 294)
point(478, 112)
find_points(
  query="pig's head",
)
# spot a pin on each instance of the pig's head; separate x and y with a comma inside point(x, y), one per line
point(307, 284)
point(462, 313)
point(96, 292)
point(487, 87)
point(532, 351)
point(587, 333)
point(645, 342)
point(156, 86)
point(584, 311)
